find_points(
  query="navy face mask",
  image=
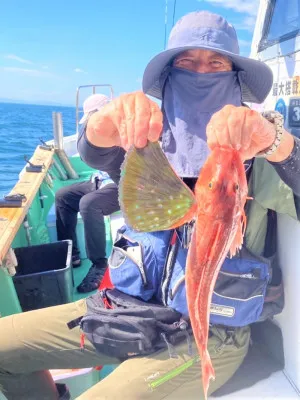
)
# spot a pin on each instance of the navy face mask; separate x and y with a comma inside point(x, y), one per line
point(189, 101)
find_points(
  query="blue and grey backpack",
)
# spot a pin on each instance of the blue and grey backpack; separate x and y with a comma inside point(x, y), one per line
point(147, 309)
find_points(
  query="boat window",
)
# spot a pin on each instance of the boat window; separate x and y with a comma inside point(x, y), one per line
point(282, 22)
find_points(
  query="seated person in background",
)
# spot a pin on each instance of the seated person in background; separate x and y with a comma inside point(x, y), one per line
point(93, 199)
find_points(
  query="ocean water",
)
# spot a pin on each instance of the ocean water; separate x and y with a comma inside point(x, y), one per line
point(21, 127)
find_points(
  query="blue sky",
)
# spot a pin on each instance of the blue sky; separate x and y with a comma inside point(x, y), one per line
point(49, 47)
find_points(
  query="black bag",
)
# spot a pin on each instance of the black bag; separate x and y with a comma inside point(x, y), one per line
point(122, 326)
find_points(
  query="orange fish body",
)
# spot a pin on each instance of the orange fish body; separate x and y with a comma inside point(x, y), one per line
point(221, 193)
point(153, 197)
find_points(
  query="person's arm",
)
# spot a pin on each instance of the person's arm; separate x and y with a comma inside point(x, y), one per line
point(108, 159)
point(247, 131)
point(287, 162)
point(130, 119)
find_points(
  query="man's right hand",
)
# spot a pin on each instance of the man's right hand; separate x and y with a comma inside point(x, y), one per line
point(131, 119)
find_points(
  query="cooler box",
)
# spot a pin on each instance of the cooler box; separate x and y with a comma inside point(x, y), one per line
point(51, 225)
point(44, 275)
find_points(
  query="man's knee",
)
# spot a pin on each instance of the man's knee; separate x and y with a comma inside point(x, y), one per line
point(62, 195)
point(88, 204)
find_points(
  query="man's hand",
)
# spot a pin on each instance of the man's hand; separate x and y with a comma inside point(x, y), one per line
point(247, 131)
point(129, 119)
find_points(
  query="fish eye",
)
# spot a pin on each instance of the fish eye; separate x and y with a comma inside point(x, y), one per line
point(210, 185)
point(236, 186)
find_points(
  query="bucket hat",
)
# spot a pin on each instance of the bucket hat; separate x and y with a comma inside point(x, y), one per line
point(208, 31)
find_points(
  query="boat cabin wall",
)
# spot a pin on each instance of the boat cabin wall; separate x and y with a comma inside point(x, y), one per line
point(276, 41)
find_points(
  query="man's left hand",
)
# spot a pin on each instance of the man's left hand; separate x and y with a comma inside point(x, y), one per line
point(247, 131)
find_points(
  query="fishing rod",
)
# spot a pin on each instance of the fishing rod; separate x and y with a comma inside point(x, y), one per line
point(166, 20)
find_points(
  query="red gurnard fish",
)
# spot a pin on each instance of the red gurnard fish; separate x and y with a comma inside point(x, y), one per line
point(153, 197)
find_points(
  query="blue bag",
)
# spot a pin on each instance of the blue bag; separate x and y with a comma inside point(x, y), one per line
point(134, 264)
point(239, 293)
point(149, 265)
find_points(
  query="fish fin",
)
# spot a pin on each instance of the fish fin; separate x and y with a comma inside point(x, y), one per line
point(239, 236)
point(151, 195)
point(208, 371)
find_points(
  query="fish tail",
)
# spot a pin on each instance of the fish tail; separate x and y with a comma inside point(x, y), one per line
point(208, 371)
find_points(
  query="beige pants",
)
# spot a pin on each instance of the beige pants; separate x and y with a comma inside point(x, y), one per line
point(33, 342)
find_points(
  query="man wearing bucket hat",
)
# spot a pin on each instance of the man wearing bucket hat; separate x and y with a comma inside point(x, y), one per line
point(93, 199)
point(203, 83)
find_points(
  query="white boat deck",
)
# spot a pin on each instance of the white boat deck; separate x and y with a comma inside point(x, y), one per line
point(277, 386)
point(259, 377)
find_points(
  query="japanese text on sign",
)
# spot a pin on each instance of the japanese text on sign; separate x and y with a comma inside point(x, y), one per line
point(290, 87)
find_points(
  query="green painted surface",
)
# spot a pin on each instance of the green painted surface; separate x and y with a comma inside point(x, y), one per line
point(38, 231)
point(38, 234)
point(9, 303)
